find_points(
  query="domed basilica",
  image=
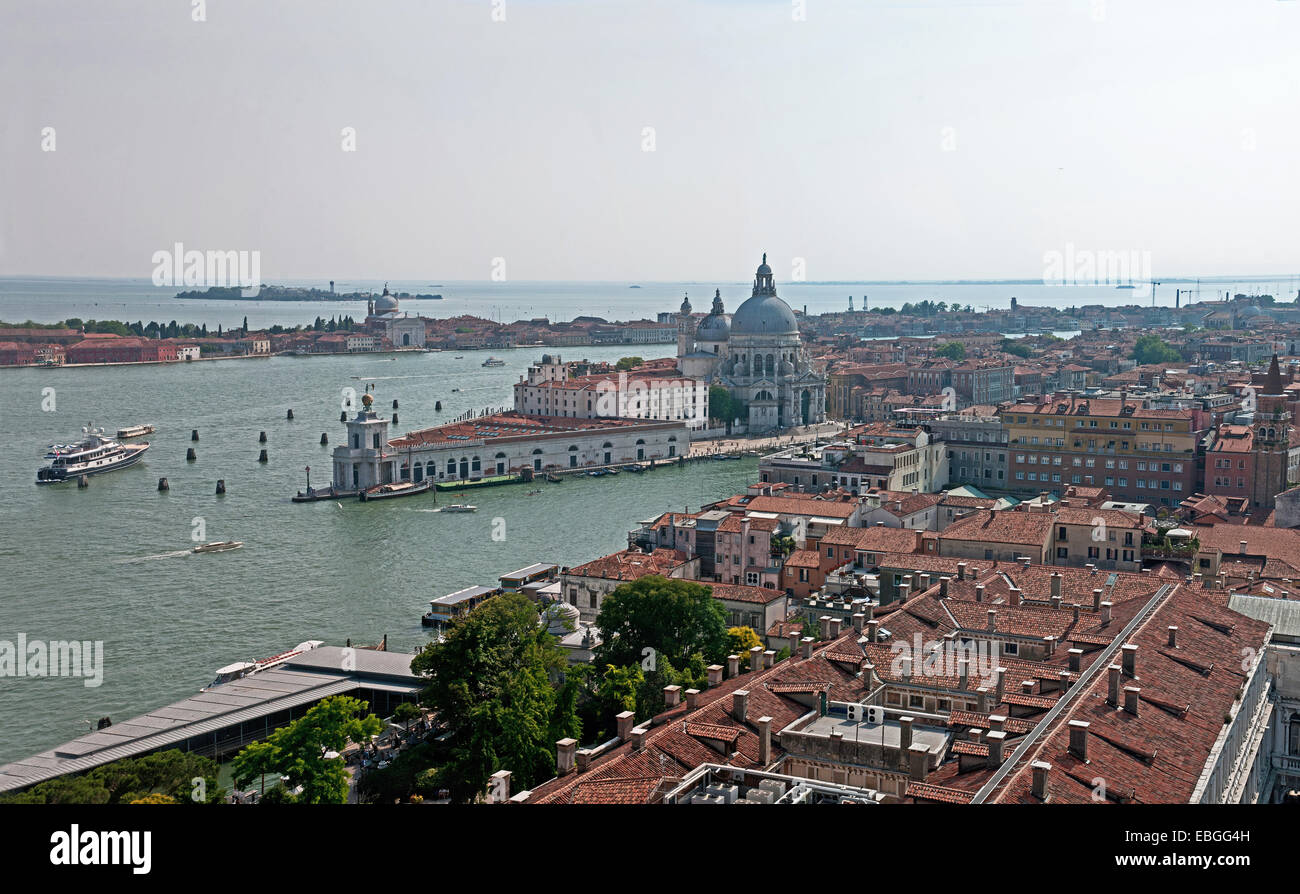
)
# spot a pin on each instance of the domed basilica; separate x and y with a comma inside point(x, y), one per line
point(757, 355)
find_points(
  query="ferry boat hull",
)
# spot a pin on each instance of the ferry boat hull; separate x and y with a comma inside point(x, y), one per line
point(389, 491)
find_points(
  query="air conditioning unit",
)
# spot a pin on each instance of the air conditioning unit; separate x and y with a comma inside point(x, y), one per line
point(856, 712)
point(875, 713)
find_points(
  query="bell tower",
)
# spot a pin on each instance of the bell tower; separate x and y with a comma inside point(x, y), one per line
point(684, 326)
point(1272, 438)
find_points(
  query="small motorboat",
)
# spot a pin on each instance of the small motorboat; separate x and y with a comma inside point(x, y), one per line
point(217, 546)
point(533, 493)
point(396, 489)
point(460, 507)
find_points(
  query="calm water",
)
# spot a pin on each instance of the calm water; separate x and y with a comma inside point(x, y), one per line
point(49, 300)
point(105, 563)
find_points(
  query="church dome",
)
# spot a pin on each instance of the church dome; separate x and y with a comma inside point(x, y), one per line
point(764, 315)
point(560, 619)
point(385, 303)
point(716, 326)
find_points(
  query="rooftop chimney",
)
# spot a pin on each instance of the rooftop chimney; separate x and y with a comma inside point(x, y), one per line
point(1013, 595)
point(979, 592)
point(835, 628)
point(672, 696)
point(764, 741)
point(1131, 699)
point(1075, 607)
point(963, 672)
point(692, 699)
point(499, 792)
point(740, 705)
point(905, 733)
point(638, 738)
point(1056, 586)
point(733, 666)
point(1076, 657)
point(904, 590)
point(715, 675)
point(998, 722)
point(1243, 547)
point(943, 587)
point(995, 740)
point(982, 699)
point(1173, 636)
point(1063, 678)
point(824, 626)
point(1056, 602)
point(769, 658)
point(1129, 651)
point(1041, 769)
point(859, 621)
point(1096, 599)
point(624, 720)
point(873, 630)
point(919, 761)
point(1079, 739)
point(961, 571)
point(756, 658)
point(1112, 692)
point(906, 665)
point(1105, 612)
point(566, 752)
point(807, 644)
point(1000, 680)
point(993, 619)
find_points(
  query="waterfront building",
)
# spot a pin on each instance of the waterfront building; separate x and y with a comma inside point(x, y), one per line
point(880, 455)
point(652, 391)
point(585, 586)
point(496, 444)
point(758, 355)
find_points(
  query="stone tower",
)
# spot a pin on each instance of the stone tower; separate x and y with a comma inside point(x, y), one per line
point(1272, 440)
point(685, 341)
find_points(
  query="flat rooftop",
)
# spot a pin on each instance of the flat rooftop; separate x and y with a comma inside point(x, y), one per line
point(889, 733)
point(302, 680)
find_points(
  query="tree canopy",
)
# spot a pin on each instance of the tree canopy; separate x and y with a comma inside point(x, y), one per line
point(298, 751)
point(165, 777)
point(626, 363)
point(1152, 349)
point(674, 618)
point(953, 350)
point(497, 681)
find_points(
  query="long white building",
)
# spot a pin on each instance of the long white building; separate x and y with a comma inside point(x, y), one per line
point(499, 444)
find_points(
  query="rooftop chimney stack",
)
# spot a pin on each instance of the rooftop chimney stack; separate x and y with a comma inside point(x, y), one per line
point(1000, 675)
point(1041, 769)
point(624, 720)
point(1056, 585)
point(733, 666)
point(979, 592)
point(1129, 651)
point(1131, 694)
point(769, 658)
point(566, 753)
point(905, 733)
point(859, 621)
point(1096, 599)
point(919, 762)
point(904, 591)
point(715, 675)
point(692, 699)
point(638, 737)
point(995, 740)
point(835, 628)
point(961, 571)
point(740, 705)
point(993, 619)
point(764, 741)
point(963, 672)
point(873, 630)
point(807, 643)
point(1013, 594)
point(1079, 739)
point(1076, 658)
point(1173, 636)
point(943, 587)
point(982, 699)
point(1112, 692)
point(672, 696)
point(756, 658)
point(1105, 612)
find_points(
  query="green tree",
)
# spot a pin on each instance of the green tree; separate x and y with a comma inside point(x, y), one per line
point(1017, 347)
point(297, 751)
point(626, 363)
point(167, 774)
point(497, 682)
point(673, 618)
point(740, 640)
point(406, 713)
point(1152, 349)
point(953, 350)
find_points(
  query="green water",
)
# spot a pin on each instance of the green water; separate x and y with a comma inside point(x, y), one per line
point(110, 562)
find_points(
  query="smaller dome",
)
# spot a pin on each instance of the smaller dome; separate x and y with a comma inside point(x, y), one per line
point(786, 368)
point(714, 327)
point(763, 269)
point(560, 619)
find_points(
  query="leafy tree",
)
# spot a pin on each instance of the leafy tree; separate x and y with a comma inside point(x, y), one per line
point(674, 618)
point(723, 406)
point(497, 681)
point(406, 713)
point(626, 363)
point(619, 687)
point(1017, 347)
point(297, 751)
point(953, 350)
point(740, 640)
point(1152, 349)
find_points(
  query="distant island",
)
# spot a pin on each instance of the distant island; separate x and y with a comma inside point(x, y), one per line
point(286, 293)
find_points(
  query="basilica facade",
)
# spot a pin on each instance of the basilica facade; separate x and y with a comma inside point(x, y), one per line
point(757, 355)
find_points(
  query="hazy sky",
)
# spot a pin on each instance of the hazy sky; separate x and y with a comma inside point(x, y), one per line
point(875, 140)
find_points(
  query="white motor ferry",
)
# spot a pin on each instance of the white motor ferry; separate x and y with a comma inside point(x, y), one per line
point(96, 453)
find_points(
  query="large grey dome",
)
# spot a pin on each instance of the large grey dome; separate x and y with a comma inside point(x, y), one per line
point(385, 303)
point(764, 315)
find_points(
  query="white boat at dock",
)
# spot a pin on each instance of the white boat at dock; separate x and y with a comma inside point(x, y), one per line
point(135, 431)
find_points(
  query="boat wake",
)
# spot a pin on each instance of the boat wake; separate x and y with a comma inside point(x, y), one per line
point(381, 378)
point(140, 559)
